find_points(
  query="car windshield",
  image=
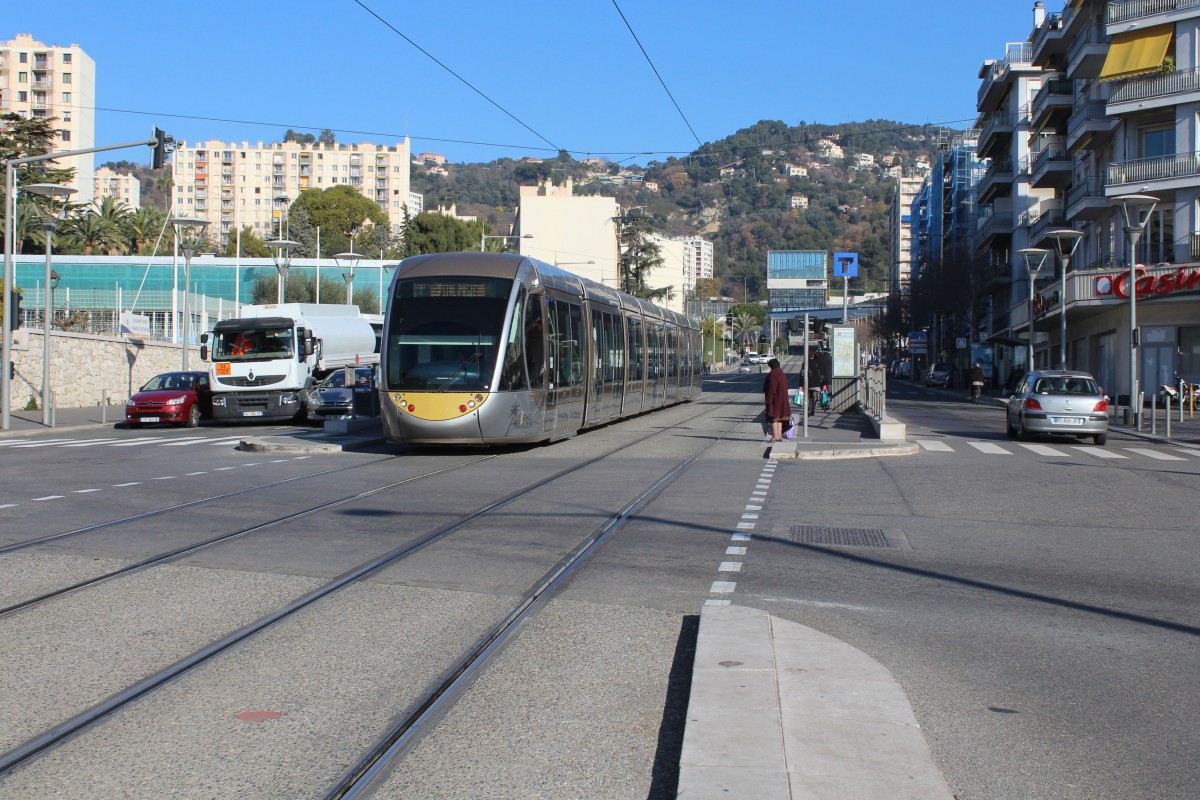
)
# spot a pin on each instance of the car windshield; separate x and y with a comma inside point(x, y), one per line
point(1066, 385)
point(169, 381)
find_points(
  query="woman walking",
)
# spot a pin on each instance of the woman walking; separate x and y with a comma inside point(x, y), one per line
point(778, 405)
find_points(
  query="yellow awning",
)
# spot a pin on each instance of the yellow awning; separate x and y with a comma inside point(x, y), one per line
point(1136, 53)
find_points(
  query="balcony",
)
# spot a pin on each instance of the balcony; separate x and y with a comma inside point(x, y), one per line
point(1086, 200)
point(1085, 56)
point(995, 135)
point(1139, 9)
point(996, 74)
point(1053, 101)
point(1048, 42)
point(1156, 174)
point(1040, 222)
point(1051, 168)
point(995, 220)
point(1157, 90)
point(1089, 125)
point(996, 181)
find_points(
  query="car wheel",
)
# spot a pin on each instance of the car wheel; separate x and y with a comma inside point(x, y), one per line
point(1022, 434)
point(1100, 439)
point(1008, 428)
point(193, 420)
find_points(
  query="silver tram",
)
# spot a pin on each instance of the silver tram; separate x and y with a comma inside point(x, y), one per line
point(496, 348)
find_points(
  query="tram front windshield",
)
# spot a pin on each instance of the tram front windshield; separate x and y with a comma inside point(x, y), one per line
point(444, 333)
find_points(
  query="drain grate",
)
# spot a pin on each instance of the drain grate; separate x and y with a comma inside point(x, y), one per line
point(838, 537)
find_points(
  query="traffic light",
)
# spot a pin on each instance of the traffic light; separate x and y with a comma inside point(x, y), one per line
point(160, 149)
point(729, 319)
point(14, 303)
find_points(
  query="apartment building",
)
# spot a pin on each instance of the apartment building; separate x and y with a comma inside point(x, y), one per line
point(900, 223)
point(237, 185)
point(120, 186)
point(1116, 114)
point(43, 81)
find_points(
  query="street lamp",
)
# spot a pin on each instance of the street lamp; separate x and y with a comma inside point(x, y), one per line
point(189, 233)
point(1135, 213)
point(281, 254)
point(483, 239)
point(1066, 241)
point(1034, 258)
point(352, 259)
point(50, 220)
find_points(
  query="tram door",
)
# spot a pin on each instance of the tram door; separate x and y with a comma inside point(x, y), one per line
point(604, 400)
point(566, 365)
point(635, 366)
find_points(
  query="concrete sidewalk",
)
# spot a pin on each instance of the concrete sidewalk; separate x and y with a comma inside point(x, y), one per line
point(837, 435)
point(780, 711)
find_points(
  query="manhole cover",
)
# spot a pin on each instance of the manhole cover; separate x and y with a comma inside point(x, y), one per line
point(838, 537)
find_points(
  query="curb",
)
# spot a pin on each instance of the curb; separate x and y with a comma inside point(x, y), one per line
point(829, 451)
point(256, 445)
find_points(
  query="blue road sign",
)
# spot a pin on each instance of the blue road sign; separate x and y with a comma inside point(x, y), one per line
point(845, 265)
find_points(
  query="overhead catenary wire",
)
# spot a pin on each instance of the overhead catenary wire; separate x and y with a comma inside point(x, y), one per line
point(461, 79)
point(656, 72)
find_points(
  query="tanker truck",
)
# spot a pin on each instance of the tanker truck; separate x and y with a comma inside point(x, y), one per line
point(260, 362)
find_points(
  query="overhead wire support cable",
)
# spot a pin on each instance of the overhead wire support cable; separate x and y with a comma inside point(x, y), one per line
point(464, 81)
point(656, 74)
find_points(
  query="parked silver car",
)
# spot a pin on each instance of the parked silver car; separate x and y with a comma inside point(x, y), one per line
point(1060, 402)
point(332, 398)
point(938, 375)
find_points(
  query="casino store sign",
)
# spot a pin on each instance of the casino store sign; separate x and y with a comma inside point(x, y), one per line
point(1184, 279)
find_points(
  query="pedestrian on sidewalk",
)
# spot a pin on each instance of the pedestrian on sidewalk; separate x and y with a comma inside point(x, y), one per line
point(775, 395)
point(814, 382)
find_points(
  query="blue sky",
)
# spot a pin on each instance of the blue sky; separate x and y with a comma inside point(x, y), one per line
point(546, 74)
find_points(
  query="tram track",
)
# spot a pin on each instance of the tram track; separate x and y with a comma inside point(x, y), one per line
point(49, 738)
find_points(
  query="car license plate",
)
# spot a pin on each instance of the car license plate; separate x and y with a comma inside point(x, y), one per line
point(252, 413)
point(1067, 420)
point(148, 419)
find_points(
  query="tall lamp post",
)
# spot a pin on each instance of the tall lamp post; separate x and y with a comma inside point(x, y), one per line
point(484, 237)
point(189, 233)
point(1034, 258)
point(351, 258)
point(1135, 213)
point(50, 220)
point(281, 254)
point(1066, 241)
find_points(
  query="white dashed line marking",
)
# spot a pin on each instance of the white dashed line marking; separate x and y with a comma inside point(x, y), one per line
point(1098, 452)
point(86, 491)
point(165, 478)
point(988, 447)
point(1141, 451)
point(91, 443)
point(730, 566)
point(735, 551)
point(740, 537)
point(222, 469)
point(190, 474)
point(723, 587)
point(9, 505)
point(48, 497)
point(1043, 450)
point(713, 601)
point(131, 483)
point(935, 444)
point(749, 516)
point(753, 508)
point(139, 442)
point(746, 526)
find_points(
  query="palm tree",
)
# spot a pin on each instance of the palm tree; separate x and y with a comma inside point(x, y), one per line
point(143, 227)
point(92, 233)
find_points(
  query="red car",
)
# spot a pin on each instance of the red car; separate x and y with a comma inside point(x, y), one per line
point(182, 398)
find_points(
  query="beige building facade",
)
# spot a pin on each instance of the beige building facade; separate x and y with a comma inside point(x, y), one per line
point(578, 233)
point(238, 185)
point(43, 81)
point(120, 186)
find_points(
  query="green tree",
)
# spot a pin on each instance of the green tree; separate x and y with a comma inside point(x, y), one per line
point(339, 212)
point(22, 138)
point(142, 229)
point(252, 245)
point(437, 233)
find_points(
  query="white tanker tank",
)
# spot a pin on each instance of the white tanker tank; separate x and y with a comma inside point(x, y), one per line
point(263, 359)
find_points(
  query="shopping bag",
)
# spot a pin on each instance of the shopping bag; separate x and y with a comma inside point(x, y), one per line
point(798, 397)
point(789, 428)
point(825, 396)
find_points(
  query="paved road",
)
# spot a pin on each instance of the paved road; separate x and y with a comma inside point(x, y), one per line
point(1037, 604)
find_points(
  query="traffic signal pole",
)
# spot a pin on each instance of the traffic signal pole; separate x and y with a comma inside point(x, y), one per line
point(10, 214)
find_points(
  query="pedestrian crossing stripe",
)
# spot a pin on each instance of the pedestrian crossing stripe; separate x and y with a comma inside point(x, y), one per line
point(1108, 453)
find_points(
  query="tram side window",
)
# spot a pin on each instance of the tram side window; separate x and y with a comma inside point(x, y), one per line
point(672, 353)
point(636, 351)
point(535, 347)
point(513, 377)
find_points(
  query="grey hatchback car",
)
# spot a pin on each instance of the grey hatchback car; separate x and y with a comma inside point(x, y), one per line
point(1057, 402)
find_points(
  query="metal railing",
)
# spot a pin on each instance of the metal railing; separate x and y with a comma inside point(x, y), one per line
point(1086, 188)
point(1180, 165)
point(872, 391)
point(1135, 9)
point(1156, 85)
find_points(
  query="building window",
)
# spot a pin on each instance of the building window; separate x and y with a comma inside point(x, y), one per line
point(1156, 142)
point(66, 97)
point(66, 116)
point(66, 136)
point(22, 77)
point(23, 97)
point(23, 58)
point(66, 77)
point(66, 58)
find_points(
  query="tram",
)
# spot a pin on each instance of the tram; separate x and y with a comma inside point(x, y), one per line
point(497, 348)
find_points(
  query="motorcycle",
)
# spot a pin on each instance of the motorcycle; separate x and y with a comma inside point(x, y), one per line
point(976, 390)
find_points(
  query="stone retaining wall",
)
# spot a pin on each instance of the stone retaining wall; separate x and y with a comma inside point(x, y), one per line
point(83, 367)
